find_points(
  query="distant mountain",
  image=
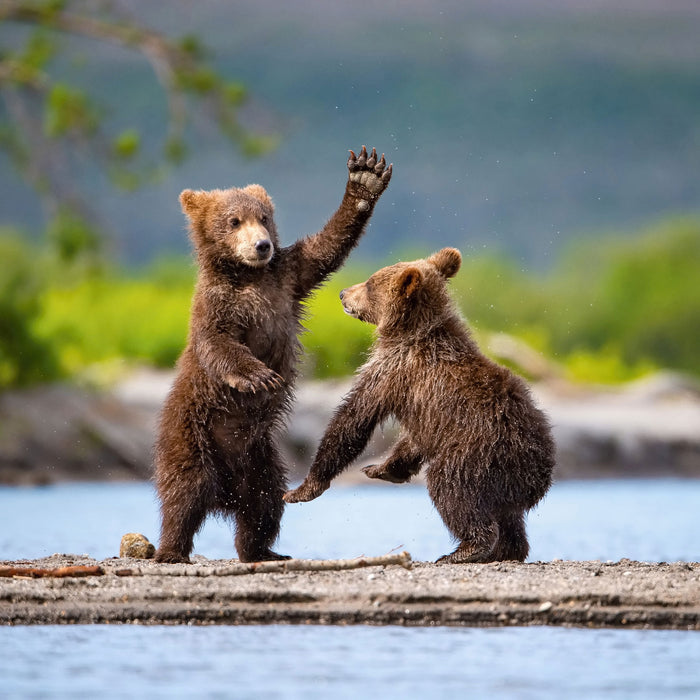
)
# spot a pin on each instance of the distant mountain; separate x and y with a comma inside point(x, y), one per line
point(512, 126)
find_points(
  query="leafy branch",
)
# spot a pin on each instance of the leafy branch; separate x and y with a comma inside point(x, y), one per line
point(48, 123)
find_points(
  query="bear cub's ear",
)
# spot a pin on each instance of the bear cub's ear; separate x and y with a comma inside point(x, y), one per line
point(258, 191)
point(409, 282)
point(447, 261)
point(192, 201)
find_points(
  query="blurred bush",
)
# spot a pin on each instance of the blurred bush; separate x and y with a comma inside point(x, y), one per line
point(101, 318)
point(335, 344)
point(612, 309)
point(25, 357)
point(639, 297)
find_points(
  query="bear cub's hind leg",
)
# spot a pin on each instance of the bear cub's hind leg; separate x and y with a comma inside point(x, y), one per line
point(512, 542)
point(386, 472)
point(477, 548)
point(183, 510)
point(257, 527)
point(259, 505)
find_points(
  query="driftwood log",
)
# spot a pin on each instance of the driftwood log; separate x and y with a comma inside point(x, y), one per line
point(62, 572)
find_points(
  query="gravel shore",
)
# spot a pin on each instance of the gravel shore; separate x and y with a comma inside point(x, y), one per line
point(565, 593)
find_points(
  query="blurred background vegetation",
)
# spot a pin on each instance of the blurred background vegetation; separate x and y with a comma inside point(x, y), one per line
point(609, 310)
point(557, 146)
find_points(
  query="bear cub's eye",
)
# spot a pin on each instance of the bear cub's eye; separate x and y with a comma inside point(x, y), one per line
point(263, 219)
point(235, 222)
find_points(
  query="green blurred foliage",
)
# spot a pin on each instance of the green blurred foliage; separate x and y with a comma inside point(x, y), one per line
point(39, 50)
point(127, 144)
point(25, 357)
point(335, 343)
point(612, 309)
point(69, 111)
point(72, 239)
point(637, 296)
point(109, 318)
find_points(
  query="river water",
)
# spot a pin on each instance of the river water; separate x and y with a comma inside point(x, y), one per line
point(651, 520)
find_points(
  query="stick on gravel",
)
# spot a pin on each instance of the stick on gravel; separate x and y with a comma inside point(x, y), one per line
point(272, 567)
point(63, 572)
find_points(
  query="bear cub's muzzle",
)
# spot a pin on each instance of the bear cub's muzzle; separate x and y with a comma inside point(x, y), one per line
point(346, 300)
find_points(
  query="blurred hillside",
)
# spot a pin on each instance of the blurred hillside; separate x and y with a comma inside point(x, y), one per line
point(513, 127)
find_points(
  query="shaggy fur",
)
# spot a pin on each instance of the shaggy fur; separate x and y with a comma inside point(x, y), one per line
point(489, 450)
point(215, 450)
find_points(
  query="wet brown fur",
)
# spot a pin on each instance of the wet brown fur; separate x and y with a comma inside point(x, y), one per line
point(215, 449)
point(488, 448)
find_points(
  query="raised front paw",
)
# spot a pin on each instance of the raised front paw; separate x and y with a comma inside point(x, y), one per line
point(379, 471)
point(262, 379)
point(306, 492)
point(369, 176)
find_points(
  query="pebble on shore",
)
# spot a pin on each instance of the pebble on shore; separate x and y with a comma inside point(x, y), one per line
point(136, 546)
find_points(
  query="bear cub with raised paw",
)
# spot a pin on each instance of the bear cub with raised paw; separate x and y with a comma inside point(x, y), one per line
point(488, 449)
point(216, 446)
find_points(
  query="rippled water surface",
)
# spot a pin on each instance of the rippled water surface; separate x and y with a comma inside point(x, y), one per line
point(346, 662)
point(655, 520)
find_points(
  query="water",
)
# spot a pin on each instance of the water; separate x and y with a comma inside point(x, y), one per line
point(346, 662)
point(656, 520)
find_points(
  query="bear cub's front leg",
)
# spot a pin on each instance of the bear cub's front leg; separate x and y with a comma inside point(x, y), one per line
point(307, 491)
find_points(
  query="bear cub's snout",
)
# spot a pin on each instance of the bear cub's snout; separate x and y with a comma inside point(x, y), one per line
point(263, 247)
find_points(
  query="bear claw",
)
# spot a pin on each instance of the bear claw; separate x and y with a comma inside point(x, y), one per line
point(368, 172)
point(266, 380)
point(380, 166)
point(362, 159)
point(372, 160)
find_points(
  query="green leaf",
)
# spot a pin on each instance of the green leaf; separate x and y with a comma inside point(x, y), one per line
point(127, 144)
point(72, 236)
point(192, 46)
point(254, 145)
point(51, 8)
point(234, 93)
point(40, 49)
point(199, 80)
point(175, 150)
point(69, 111)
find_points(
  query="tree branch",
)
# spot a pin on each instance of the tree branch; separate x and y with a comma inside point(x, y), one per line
point(48, 122)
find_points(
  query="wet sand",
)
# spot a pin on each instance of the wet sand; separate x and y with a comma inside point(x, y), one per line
point(565, 593)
